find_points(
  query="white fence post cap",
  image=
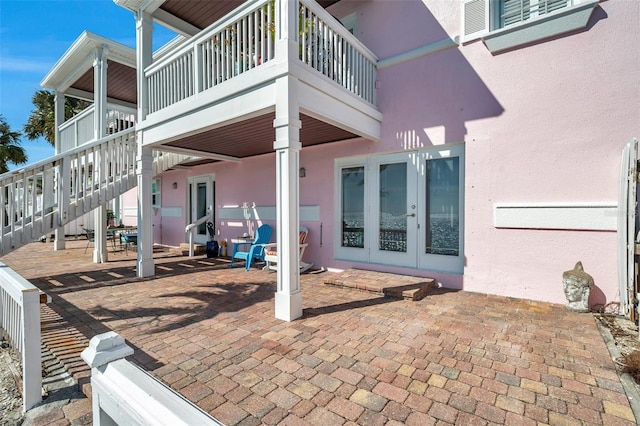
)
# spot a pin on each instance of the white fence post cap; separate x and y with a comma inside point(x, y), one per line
point(105, 348)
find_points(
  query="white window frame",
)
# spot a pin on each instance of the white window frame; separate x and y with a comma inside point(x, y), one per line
point(481, 20)
point(156, 196)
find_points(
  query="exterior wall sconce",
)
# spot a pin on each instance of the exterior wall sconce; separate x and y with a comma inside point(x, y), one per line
point(303, 172)
point(174, 185)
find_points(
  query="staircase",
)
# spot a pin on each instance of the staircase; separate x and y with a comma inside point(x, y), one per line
point(51, 193)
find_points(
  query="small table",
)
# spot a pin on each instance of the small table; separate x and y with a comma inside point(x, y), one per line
point(128, 236)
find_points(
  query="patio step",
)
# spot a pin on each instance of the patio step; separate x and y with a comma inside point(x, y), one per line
point(392, 285)
point(183, 250)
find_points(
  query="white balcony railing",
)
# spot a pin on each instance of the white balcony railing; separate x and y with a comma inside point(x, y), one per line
point(245, 40)
point(80, 128)
point(225, 49)
point(77, 130)
point(328, 47)
point(20, 321)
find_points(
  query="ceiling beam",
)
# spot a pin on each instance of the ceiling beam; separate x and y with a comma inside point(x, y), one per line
point(195, 153)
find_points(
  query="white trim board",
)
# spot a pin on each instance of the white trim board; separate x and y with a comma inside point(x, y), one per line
point(130, 211)
point(171, 212)
point(570, 216)
point(307, 213)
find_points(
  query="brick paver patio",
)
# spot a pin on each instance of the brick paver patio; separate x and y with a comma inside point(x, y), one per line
point(354, 358)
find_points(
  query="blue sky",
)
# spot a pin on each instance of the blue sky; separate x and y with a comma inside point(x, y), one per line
point(34, 34)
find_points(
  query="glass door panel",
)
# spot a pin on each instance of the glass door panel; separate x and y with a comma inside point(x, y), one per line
point(392, 213)
point(202, 206)
point(394, 195)
point(352, 182)
point(201, 201)
point(442, 206)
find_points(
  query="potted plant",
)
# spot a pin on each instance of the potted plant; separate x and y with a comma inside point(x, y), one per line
point(111, 217)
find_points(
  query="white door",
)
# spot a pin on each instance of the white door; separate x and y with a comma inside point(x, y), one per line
point(201, 202)
point(394, 211)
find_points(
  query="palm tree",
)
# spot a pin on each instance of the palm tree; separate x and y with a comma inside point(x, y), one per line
point(42, 121)
point(10, 149)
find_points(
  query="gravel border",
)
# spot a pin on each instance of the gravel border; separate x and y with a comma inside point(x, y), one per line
point(628, 383)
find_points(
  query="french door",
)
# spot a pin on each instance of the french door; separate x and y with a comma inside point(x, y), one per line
point(201, 202)
point(402, 209)
point(394, 209)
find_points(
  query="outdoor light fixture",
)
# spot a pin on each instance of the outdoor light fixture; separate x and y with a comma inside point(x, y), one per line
point(303, 172)
point(174, 185)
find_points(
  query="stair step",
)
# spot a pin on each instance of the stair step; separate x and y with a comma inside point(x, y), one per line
point(183, 250)
point(397, 286)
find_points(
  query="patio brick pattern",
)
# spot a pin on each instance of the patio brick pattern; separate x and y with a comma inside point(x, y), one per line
point(355, 357)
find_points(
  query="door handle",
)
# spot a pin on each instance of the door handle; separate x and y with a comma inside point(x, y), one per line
point(412, 215)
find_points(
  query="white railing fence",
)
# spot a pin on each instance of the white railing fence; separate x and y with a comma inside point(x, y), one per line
point(328, 47)
point(77, 130)
point(80, 128)
point(245, 40)
point(20, 322)
point(123, 394)
point(224, 50)
point(46, 195)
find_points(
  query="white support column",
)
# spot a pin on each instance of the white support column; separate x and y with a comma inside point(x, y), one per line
point(62, 180)
point(287, 124)
point(146, 266)
point(144, 58)
point(100, 102)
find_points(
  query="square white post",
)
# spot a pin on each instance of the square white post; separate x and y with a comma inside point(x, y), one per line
point(100, 103)
point(145, 266)
point(287, 124)
point(31, 350)
point(62, 178)
point(103, 349)
point(144, 58)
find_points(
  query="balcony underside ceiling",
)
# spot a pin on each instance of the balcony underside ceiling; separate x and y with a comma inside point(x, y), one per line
point(256, 137)
point(201, 14)
point(121, 83)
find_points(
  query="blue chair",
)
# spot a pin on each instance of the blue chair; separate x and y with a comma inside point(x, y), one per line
point(256, 248)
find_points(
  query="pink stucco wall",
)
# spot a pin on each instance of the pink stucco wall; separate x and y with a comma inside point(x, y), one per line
point(543, 123)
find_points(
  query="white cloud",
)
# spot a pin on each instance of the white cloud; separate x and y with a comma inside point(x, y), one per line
point(23, 65)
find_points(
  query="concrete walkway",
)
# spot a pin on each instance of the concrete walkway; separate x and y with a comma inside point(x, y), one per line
point(354, 358)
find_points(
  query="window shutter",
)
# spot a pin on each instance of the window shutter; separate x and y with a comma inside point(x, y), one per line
point(553, 5)
point(475, 19)
point(515, 11)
